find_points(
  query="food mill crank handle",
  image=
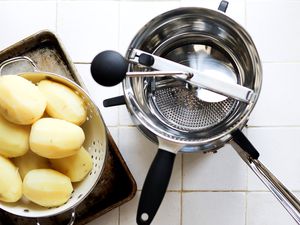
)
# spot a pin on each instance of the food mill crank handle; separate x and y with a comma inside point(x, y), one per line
point(248, 153)
point(203, 80)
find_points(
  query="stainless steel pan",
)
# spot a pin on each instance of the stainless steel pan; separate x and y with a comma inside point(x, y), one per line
point(180, 117)
point(191, 115)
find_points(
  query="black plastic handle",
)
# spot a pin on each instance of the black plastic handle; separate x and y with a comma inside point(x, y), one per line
point(240, 139)
point(109, 68)
point(155, 186)
point(223, 6)
point(115, 101)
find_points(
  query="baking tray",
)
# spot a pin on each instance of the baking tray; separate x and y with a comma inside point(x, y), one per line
point(117, 185)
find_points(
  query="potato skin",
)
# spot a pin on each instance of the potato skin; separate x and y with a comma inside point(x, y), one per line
point(14, 139)
point(21, 102)
point(30, 161)
point(76, 167)
point(63, 102)
point(10, 181)
point(47, 187)
point(55, 138)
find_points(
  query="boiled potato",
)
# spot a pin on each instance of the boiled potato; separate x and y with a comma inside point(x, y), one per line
point(76, 167)
point(63, 102)
point(55, 138)
point(10, 181)
point(47, 187)
point(30, 161)
point(21, 102)
point(14, 139)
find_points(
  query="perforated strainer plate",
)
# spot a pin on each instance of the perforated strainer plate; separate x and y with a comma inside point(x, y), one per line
point(184, 110)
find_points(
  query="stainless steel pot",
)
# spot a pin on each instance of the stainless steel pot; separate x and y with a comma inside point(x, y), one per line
point(95, 143)
point(182, 117)
point(198, 113)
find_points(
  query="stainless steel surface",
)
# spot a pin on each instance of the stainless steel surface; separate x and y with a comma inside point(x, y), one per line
point(283, 195)
point(23, 62)
point(175, 74)
point(171, 110)
point(71, 222)
point(203, 78)
point(180, 108)
point(181, 36)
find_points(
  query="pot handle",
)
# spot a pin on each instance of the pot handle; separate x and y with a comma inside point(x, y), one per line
point(155, 186)
point(245, 149)
point(18, 59)
point(71, 222)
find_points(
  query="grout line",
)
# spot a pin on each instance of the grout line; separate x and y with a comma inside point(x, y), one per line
point(260, 127)
point(82, 62)
point(122, 126)
point(119, 213)
point(246, 207)
point(181, 191)
point(273, 126)
point(281, 62)
point(229, 191)
point(246, 21)
point(56, 17)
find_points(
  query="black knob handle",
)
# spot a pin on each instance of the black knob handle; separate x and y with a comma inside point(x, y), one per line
point(109, 68)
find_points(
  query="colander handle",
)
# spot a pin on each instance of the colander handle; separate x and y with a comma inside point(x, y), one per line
point(18, 59)
point(155, 186)
point(244, 148)
point(71, 222)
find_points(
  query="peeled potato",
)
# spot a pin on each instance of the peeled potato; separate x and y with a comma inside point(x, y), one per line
point(47, 187)
point(14, 139)
point(30, 161)
point(55, 138)
point(10, 181)
point(76, 167)
point(63, 102)
point(21, 102)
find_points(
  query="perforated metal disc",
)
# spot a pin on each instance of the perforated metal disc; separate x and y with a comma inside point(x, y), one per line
point(182, 109)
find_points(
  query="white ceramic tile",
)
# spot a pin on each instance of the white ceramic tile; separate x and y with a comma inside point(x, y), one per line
point(99, 93)
point(139, 153)
point(279, 152)
point(236, 8)
point(110, 218)
point(21, 19)
point(264, 209)
point(125, 118)
point(114, 132)
point(275, 28)
point(223, 170)
point(211, 208)
point(135, 14)
point(88, 27)
point(278, 102)
point(168, 213)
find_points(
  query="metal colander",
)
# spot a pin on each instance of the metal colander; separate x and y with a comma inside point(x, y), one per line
point(95, 143)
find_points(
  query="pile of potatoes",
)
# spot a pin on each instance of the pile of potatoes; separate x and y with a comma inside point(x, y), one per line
point(41, 140)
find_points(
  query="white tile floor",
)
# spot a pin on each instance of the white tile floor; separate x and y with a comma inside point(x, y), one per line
point(206, 189)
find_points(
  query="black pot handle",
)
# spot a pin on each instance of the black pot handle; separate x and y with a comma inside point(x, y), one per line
point(223, 6)
point(155, 186)
point(115, 101)
point(250, 155)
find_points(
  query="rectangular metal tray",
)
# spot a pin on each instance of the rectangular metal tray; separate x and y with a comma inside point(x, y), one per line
point(117, 185)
